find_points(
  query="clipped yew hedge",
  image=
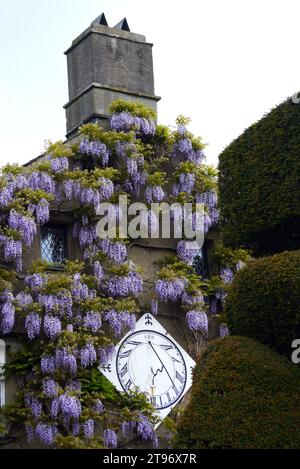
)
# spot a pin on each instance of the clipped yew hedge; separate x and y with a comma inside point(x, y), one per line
point(259, 184)
point(264, 301)
point(244, 395)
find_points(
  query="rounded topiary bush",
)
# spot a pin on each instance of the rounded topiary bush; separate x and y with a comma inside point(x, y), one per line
point(264, 301)
point(259, 190)
point(244, 396)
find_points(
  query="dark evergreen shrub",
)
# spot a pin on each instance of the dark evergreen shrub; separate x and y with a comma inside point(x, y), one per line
point(259, 184)
point(264, 301)
point(244, 396)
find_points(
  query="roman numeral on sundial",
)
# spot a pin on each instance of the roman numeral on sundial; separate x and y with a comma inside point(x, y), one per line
point(153, 400)
point(179, 377)
point(175, 360)
point(134, 343)
point(128, 384)
point(125, 354)
point(124, 370)
point(166, 347)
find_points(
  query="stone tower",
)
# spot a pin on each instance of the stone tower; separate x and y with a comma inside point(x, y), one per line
point(105, 64)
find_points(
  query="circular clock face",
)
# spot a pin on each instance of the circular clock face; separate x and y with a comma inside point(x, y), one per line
point(151, 362)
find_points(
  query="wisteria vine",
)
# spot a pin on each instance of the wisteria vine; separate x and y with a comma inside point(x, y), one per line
point(71, 320)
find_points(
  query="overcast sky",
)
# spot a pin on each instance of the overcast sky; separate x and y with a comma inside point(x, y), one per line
point(223, 63)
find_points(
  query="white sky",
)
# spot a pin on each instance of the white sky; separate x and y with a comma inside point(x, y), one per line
point(224, 63)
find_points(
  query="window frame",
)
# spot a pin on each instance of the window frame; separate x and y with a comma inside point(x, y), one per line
point(64, 228)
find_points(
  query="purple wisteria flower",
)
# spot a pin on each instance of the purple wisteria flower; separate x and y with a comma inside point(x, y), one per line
point(24, 225)
point(61, 304)
point(88, 428)
point(50, 387)
point(116, 251)
point(192, 299)
point(132, 166)
point(67, 188)
point(186, 252)
point(128, 428)
point(35, 281)
point(42, 211)
point(149, 224)
point(208, 198)
point(106, 354)
point(88, 356)
point(123, 286)
point(224, 331)
point(12, 249)
point(145, 430)
point(40, 180)
point(125, 122)
point(106, 189)
point(197, 321)
point(186, 182)
point(44, 432)
point(183, 150)
point(6, 195)
point(48, 365)
point(29, 431)
point(114, 320)
point(52, 326)
point(59, 165)
point(110, 439)
point(99, 406)
point(154, 307)
point(96, 149)
point(85, 234)
point(92, 321)
point(154, 194)
point(33, 325)
point(69, 406)
point(226, 275)
point(98, 270)
point(214, 215)
point(169, 290)
point(7, 318)
point(34, 405)
point(66, 361)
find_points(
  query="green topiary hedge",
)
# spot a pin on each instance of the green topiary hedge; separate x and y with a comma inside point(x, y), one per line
point(264, 301)
point(244, 396)
point(259, 184)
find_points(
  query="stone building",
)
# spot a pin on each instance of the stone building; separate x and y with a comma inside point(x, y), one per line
point(105, 64)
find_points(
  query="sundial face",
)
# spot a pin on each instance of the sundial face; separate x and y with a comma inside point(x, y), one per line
point(151, 361)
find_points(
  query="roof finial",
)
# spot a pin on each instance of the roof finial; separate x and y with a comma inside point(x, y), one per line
point(101, 20)
point(122, 25)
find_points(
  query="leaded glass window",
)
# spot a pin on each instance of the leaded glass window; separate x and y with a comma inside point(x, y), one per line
point(54, 244)
point(201, 263)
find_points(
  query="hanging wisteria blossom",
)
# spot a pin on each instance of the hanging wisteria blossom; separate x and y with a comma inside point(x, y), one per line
point(58, 165)
point(226, 275)
point(197, 321)
point(223, 330)
point(7, 318)
point(187, 251)
point(33, 325)
point(96, 149)
point(110, 439)
point(169, 290)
